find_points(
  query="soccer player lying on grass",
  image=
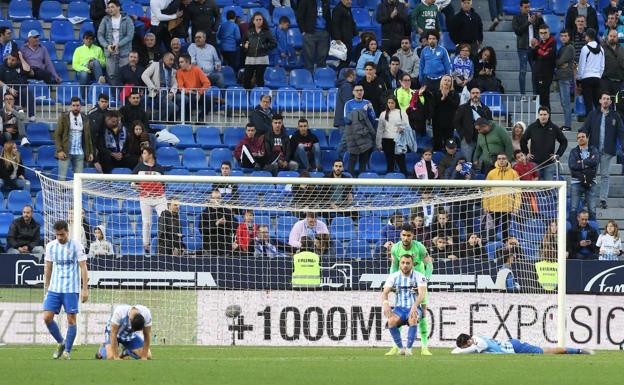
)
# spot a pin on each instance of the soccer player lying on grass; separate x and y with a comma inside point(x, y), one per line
point(122, 328)
point(407, 309)
point(481, 344)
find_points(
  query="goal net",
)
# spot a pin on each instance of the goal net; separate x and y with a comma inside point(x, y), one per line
point(232, 260)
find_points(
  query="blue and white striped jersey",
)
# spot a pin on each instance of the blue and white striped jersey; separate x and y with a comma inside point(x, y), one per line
point(65, 269)
point(120, 317)
point(405, 293)
point(484, 344)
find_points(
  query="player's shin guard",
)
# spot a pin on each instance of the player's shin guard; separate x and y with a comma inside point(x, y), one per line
point(54, 330)
point(71, 336)
point(411, 336)
point(396, 337)
point(424, 331)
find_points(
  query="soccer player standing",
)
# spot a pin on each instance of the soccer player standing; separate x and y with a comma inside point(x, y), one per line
point(63, 260)
point(423, 264)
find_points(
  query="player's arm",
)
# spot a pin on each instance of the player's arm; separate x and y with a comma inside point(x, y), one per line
point(84, 275)
point(47, 275)
point(422, 292)
point(387, 310)
point(468, 350)
point(147, 338)
point(114, 343)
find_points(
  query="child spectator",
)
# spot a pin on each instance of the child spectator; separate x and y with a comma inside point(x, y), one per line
point(442, 248)
point(463, 170)
point(473, 248)
point(245, 234)
point(425, 168)
point(284, 54)
point(525, 169)
point(100, 246)
point(229, 37)
point(11, 169)
point(421, 233)
point(516, 134)
point(609, 243)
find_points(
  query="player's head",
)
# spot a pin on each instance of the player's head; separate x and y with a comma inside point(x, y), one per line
point(407, 234)
point(406, 263)
point(463, 341)
point(137, 322)
point(61, 231)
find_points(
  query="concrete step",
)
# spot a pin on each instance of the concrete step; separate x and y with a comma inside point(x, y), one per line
point(611, 213)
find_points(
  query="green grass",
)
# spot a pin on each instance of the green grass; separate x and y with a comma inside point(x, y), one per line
point(326, 366)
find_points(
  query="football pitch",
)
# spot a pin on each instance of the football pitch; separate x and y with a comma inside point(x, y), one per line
point(32, 364)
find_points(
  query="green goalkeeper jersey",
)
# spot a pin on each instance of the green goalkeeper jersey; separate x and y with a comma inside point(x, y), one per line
point(418, 251)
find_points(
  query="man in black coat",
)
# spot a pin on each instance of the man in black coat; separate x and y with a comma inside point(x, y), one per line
point(204, 16)
point(24, 236)
point(465, 118)
point(170, 231)
point(97, 11)
point(394, 19)
point(314, 22)
point(134, 110)
point(467, 27)
point(572, 13)
point(544, 135)
point(581, 239)
point(343, 28)
point(543, 55)
point(96, 117)
point(262, 115)
point(217, 226)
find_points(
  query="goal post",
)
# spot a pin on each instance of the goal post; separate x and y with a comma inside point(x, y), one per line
point(209, 292)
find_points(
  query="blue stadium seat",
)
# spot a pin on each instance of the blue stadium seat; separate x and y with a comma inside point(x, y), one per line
point(38, 134)
point(236, 98)
point(8, 23)
point(313, 100)
point(295, 38)
point(322, 137)
point(447, 43)
point(134, 9)
point(224, 3)
point(229, 77)
point(51, 47)
point(66, 91)
point(249, 3)
point(121, 171)
point(327, 159)
point(86, 25)
point(554, 23)
point(61, 69)
point(369, 228)
point(358, 249)
point(511, 7)
point(542, 5)
point(275, 77)
point(287, 99)
point(97, 89)
point(41, 92)
point(377, 162)
point(494, 100)
point(560, 7)
point(233, 135)
point(491, 248)
point(79, 9)
point(362, 19)
point(325, 78)
point(20, 10)
point(285, 11)
point(209, 137)
point(168, 157)
point(331, 99)
point(131, 246)
point(334, 138)
point(288, 174)
point(68, 51)
point(17, 199)
point(50, 10)
point(5, 223)
point(283, 225)
point(194, 159)
point(39, 201)
point(257, 93)
point(238, 10)
point(411, 158)
point(131, 207)
point(579, 106)
point(301, 78)
point(46, 157)
point(218, 156)
point(265, 13)
point(29, 25)
point(342, 228)
point(26, 153)
point(62, 31)
point(184, 132)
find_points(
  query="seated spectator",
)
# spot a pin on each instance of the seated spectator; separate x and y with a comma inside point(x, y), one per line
point(245, 234)
point(148, 52)
point(473, 248)
point(425, 168)
point(277, 147)
point(205, 57)
point(516, 134)
point(583, 162)
point(38, 57)
point(7, 45)
point(110, 144)
point(365, 38)
point(421, 233)
point(550, 237)
point(582, 238)
point(306, 195)
point(216, 226)
point(441, 249)
point(12, 121)
point(463, 170)
point(371, 54)
point(170, 237)
point(392, 230)
point(24, 235)
point(162, 91)
point(229, 38)
point(137, 140)
point(250, 152)
point(262, 245)
point(449, 159)
point(338, 195)
point(176, 50)
point(194, 83)
point(228, 190)
point(88, 61)
point(506, 275)
point(462, 68)
point(392, 122)
point(309, 227)
point(262, 115)
point(485, 72)
point(305, 148)
point(100, 246)
point(284, 54)
point(133, 110)
point(526, 170)
point(130, 74)
point(14, 73)
point(12, 169)
point(609, 243)
point(72, 138)
point(511, 246)
point(443, 227)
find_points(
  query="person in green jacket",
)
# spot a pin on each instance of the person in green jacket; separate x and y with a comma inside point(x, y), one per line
point(424, 17)
point(492, 140)
point(89, 61)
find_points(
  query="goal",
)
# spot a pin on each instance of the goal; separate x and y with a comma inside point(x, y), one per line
point(213, 257)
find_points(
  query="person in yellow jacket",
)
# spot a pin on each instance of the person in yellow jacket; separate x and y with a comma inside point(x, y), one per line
point(89, 61)
point(306, 265)
point(501, 206)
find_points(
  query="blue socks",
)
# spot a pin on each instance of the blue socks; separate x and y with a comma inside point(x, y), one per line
point(573, 351)
point(396, 336)
point(71, 336)
point(102, 352)
point(411, 336)
point(54, 330)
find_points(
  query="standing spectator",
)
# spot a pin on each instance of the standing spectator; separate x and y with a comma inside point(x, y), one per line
point(604, 128)
point(526, 170)
point(205, 56)
point(408, 59)
point(525, 27)
point(564, 74)
point(359, 131)
point(392, 121)
point(262, 116)
point(245, 235)
point(308, 227)
point(613, 76)
point(100, 247)
point(462, 68)
point(305, 147)
point(7, 45)
point(394, 19)
point(229, 37)
point(88, 61)
point(131, 73)
point(38, 57)
point(501, 207)
point(590, 68)
point(445, 103)
point(485, 71)
point(374, 87)
point(582, 238)
point(12, 122)
point(12, 169)
point(115, 36)
point(365, 37)
point(466, 27)
point(277, 147)
point(160, 20)
point(611, 23)
point(543, 54)
point(338, 195)
point(170, 237)
point(465, 118)
point(205, 16)
point(149, 51)
point(496, 13)
point(24, 235)
point(393, 75)
point(610, 243)
point(138, 139)
point(449, 159)
point(583, 161)
point(133, 111)
point(284, 55)
point(194, 83)
point(344, 94)
point(424, 17)
point(543, 134)
point(473, 248)
point(258, 43)
point(578, 36)
point(96, 119)
point(314, 19)
point(162, 86)
point(216, 226)
point(250, 151)
point(343, 28)
point(372, 54)
point(110, 144)
point(491, 141)
point(434, 61)
point(14, 80)
point(73, 139)
point(425, 168)
point(582, 8)
point(358, 102)
point(516, 134)
point(97, 11)
point(404, 93)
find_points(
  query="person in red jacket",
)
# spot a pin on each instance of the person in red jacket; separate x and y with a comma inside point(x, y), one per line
point(525, 169)
point(245, 234)
point(543, 55)
point(250, 151)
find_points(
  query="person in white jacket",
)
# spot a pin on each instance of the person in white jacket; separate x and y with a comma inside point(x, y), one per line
point(100, 246)
point(610, 243)
point(392, 121)
point(162, 86)
point(590, 68)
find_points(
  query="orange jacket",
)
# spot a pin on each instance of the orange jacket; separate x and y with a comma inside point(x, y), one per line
point(194, 78)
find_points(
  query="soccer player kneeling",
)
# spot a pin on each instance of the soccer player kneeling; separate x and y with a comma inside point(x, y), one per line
point(407, 309)
point(122, 328)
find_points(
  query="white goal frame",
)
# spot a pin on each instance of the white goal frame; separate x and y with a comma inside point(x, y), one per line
point(560, 186)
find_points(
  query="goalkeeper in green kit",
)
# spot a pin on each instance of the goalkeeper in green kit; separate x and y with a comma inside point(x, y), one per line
point(422, 264)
